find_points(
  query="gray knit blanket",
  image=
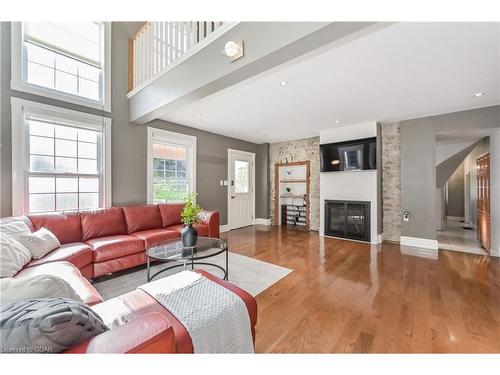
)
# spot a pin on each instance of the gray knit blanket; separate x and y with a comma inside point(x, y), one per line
point(216, 318)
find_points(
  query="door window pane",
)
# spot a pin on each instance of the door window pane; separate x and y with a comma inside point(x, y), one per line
point(241, 176)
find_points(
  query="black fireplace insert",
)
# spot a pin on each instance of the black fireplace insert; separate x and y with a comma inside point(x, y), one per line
point(347, 219)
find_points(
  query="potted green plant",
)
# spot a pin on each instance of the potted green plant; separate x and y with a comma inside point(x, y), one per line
point(189, 215)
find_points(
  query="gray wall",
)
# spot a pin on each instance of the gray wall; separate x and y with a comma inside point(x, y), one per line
point(129, 146)
point(418, 154)
point(456, 189)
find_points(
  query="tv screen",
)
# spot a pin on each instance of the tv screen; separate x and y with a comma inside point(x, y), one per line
point(355, 155)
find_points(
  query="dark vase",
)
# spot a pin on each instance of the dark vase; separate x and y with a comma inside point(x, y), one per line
point(189, 236)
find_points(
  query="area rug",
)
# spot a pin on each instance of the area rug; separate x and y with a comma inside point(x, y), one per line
point(249, 274)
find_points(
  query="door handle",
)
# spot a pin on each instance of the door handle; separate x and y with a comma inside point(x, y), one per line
point(233, 196)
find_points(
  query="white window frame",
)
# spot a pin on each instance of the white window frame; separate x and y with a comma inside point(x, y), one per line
point(20, 144)
point(165, 136)
point(19, 66)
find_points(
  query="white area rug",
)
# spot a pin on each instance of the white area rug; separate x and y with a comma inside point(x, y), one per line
point(249, 274)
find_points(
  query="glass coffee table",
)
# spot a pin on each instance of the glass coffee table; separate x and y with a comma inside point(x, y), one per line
point(172, 251)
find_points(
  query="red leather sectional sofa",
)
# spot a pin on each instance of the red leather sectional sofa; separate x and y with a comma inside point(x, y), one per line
point(113, 239)
point(95, 243)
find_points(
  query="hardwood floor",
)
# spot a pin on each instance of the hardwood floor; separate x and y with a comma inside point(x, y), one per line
point(349, 297)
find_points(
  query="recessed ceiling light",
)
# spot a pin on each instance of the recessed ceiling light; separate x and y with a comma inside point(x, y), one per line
point(478, 94)
point(284, 83)
point(337, 121)
point(198, 114)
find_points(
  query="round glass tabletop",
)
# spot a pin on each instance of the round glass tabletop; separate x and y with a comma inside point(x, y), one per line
point(173, 250)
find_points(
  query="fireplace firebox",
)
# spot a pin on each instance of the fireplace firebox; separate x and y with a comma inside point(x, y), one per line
point(347, 219)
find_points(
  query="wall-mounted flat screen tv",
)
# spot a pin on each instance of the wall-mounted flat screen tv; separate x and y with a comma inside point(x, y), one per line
point(355, 155)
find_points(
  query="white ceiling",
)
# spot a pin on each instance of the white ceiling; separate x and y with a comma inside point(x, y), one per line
point(404, 71)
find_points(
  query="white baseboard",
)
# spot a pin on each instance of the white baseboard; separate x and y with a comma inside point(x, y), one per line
point(259, 221)
point(455, 218)
point(380, 238)
point(419, 242)
point(224, 228)
point(420, 252)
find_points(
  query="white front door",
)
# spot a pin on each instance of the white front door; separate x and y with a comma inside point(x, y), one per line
point(241, 188)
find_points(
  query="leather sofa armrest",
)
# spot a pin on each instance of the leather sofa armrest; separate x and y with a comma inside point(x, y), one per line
point(211, 218)
point(150, 333)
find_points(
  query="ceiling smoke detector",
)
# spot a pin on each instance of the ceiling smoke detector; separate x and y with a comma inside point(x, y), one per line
point(233, 50)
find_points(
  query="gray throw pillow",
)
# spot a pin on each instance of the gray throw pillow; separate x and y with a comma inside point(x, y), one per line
point(46, 325)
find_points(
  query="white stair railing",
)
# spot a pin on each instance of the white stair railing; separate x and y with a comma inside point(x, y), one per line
point(160, 44)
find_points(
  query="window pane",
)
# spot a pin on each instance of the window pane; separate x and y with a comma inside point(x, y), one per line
point(241, 176)
point(66, 202)
point(170, 175)
point(158, 164)
point(43, 146)
point(89, 185)
point(65, 165)
point(66, 64)
point(40, 75)
point(42, 202)
point(66, 132)
point(41, 185)
point(181, 165)
point(66, 82)
point(40, 55)
point(87, 150)
point(88, 89)
point(89, 200)
point(170, 164)
point(158, 176)
point(41, 163)
point(87, 166)
point(89, 72)
point(66, 184)
point(65, 148)
point(41, 128)
point(87, 135)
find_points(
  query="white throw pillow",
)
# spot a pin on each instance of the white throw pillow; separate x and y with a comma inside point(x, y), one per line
point(13, 256)
point(40, 243)
point(40, 286)
point(14, 229)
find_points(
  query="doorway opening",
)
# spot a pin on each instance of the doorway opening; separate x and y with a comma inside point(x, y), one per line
point(463, 199)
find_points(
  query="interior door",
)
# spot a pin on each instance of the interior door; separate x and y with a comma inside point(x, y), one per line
point(483, 201)
point(241, 200)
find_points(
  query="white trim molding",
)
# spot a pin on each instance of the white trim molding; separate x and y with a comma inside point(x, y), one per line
point(455, 218)
point(174, 139)
point(260, 221)
point(18, 72)
point(419, 242)
point(22, 108)
point(224, 228)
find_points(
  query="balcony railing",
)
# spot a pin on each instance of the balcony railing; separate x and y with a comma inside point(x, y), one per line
point(157, 45)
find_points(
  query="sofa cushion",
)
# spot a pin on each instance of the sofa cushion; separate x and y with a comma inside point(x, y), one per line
point(39, 286)
point(66, 227)
point(40, 243)
point(170, 213)
point(103, 223)
point(69, 273)
point(106, 248)
point(201, 228)
point(153, 237)
point(77, 253)
point(142, 217)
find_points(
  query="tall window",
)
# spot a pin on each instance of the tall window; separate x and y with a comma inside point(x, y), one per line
point(171, 166)
point(60, 159)
point(67, 61)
